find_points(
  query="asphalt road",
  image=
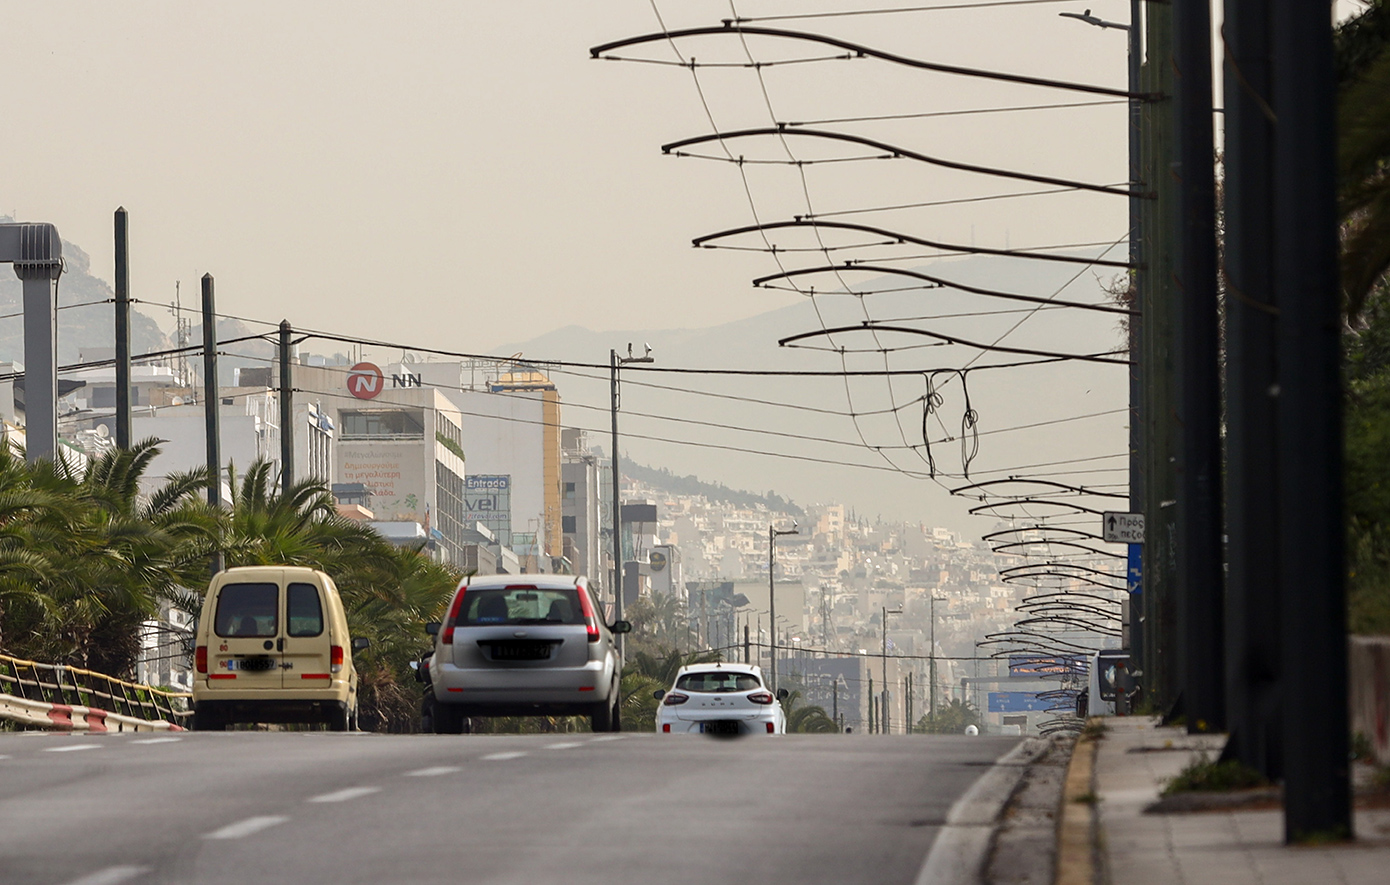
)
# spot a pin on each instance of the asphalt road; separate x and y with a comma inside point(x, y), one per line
point(246, 807)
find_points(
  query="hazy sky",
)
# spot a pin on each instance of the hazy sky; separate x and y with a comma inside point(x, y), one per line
point(461, 175)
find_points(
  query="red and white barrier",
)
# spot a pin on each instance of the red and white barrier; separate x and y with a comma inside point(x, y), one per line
point(71, 717)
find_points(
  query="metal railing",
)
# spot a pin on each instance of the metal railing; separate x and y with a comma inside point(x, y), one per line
point(74, 686)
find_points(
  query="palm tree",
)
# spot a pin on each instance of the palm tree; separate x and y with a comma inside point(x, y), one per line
point(1363, 57)
point(809, 719)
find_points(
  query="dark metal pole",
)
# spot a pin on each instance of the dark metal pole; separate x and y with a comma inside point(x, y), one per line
point(1201, 607)
point(1136, 329)
point(617, 506)
point(210, 405)
point(286, 411)
point(772, 599)
point(1252, 516)
point(123, 418)
point(1317, 788)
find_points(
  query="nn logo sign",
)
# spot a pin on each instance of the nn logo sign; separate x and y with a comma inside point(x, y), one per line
point(365, 381)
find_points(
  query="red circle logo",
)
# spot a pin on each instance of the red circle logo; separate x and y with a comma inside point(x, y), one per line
point(365, 381)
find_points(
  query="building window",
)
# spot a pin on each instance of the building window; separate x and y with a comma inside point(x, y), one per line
point(568, 525)
point(389, 423)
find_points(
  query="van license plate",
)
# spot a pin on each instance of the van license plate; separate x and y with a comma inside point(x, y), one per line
point(260, 663)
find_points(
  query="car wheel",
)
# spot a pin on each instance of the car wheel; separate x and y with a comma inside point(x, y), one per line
point(448, 719)
point(206, 720)
point(352, 720)
point(338, 718)
point(607, 716)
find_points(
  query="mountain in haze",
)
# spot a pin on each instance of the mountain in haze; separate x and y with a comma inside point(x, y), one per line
point(859, 440)
point(667, 481)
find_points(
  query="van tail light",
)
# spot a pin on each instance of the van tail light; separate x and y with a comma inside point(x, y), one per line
point(666, 727)
point(200, 658)
point(761, 697)
point(335, 658)
point(447, 636)
point(674, 698)
point(587, 608)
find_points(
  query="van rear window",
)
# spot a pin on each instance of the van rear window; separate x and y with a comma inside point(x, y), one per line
point(303, 610)
point(247, 610)
point(521, 605)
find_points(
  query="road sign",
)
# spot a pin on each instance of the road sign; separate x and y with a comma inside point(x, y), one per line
point(1016, 702)
point(1122, 528)
point(1134, 572)
point(365, 381)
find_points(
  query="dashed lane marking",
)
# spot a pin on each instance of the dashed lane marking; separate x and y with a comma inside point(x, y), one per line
point(243, 828)
point(110, 876)
point(607, 737)
point(434, 772)
point(346, 795)
point(163, 740)
point(71, 748)
point(567, 745)
point(498, 757)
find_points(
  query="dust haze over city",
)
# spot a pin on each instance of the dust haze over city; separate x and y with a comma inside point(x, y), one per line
point(466, 178)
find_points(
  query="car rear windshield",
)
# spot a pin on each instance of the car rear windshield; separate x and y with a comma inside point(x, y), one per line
point(723, 681)
point(247, 610)
point(521, 605)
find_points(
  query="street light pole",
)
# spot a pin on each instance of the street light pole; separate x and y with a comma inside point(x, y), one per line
point(931, 660)
point(614, 363)
point(883, 628)
point(772, 534)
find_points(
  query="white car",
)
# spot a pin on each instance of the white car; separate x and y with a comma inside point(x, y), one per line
point(720, 699)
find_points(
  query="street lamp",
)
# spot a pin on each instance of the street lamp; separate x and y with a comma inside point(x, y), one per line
point(772, 535)
point(883, 627)
point(614, 362)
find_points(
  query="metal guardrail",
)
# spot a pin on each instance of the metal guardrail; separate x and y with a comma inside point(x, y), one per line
point(74, 686)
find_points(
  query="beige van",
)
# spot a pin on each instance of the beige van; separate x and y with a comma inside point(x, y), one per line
point(273, 646)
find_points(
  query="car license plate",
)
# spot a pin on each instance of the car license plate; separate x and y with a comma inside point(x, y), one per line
point(720, 726)
point(521, 651)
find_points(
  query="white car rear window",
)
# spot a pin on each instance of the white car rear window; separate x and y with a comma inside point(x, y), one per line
point(722, 681)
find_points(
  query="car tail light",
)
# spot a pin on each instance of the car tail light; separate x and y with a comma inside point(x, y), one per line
point(674, 698)
point(335, 658)
point(587, 608)
point(447, 637)
point(761, 697)
point(771, 729)
point(200, 658)
point(666, 727)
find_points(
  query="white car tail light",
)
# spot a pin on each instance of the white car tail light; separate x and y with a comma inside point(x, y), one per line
point(761, 697)
point(674, 698)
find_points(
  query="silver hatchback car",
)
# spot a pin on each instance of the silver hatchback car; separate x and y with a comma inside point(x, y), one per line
point(522, 645)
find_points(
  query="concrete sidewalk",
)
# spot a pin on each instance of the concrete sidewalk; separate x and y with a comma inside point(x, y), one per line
point(1135, 759)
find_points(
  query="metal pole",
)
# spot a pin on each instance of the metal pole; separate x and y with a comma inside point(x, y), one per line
point(210, 406)
point(286, 411)
point(123, 418)
point(1136, 321)
point(772, 599)
point(617, 507)
point(1200, 597)
point(1317, 785)
point(1252, 515)
point(931, 660)
point(746, 649)
point(883, 633)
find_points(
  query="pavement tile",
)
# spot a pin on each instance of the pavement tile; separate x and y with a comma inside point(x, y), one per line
point(1210, 847)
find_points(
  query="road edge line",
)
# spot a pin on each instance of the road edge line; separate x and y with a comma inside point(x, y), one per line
point(959, 852)
point(1076, 822)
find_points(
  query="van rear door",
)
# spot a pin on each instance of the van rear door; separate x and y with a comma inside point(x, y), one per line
point(307, 644)
point(246, 632)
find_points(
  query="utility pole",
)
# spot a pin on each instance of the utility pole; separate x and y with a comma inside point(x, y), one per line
point(1200, 572)
point(1307, 289)
point(883, 625)
point(615, 362)
point(873, 704)
point(772, 535)
point(746, 649)
point(931, 662)
point(286, 411)
point(210, 407)
point(1252, 502)
point(122, 331)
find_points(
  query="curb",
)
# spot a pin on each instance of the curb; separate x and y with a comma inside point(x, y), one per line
point(959, 852)
point(1077, 823)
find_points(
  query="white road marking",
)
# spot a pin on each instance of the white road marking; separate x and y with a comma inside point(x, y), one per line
point(607, 737)
point(4, 757)
point(346, 795)
point(110, 876)
point(568, 745)
point(433, 772)
point(247, 827)
point(71, 748)
point(163, 740)
point(498, 757)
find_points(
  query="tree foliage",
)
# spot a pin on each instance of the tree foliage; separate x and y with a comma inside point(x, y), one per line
point(953, 717)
